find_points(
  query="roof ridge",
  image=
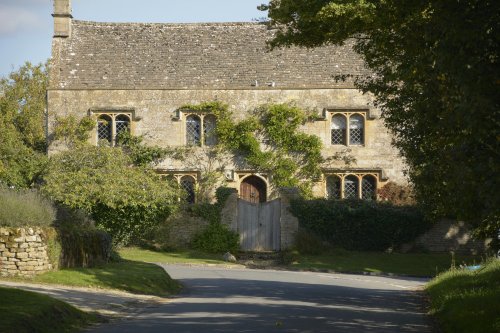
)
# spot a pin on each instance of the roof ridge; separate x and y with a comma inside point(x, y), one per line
point(173, 24)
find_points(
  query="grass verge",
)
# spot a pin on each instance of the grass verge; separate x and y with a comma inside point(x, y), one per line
point(25, 311)
point(412, 264)
point(177, 257)
point(467, 301)
point(127, 275)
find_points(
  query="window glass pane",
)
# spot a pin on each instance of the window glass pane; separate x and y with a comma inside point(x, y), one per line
point(122, 123)
point(104, 128)
point(193, 134)
point(356, 130)
point(351, 187)
point(333, 187)
point(338, 128)
point(368, 188)
point(188, 184)
point(209, 124)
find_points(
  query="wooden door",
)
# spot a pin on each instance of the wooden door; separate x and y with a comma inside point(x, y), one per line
point(253, 189)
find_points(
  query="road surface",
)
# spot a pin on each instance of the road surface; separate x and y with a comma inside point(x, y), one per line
point(218, 299)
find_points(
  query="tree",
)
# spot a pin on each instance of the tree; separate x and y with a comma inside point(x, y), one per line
point(123, 199)
point(22, 119)
point(434, 73)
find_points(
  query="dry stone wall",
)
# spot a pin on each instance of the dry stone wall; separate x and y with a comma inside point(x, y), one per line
point(23, 252)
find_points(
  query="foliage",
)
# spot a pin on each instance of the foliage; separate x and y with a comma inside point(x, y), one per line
point(291, 157)
point(216, 237)
point(467, 301)
point(142, 155)
point(307, 242)
point(396, 194)
point(434, 68)
point(54, 249)
point(123, 200)
point(22, 104)
point(22, 132)
point(21, 208)
point(83, 247)
point(26, 311)
point(359, 224)
point(73, 132)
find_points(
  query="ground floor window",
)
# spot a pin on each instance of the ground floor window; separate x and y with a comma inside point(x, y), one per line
point(351, 186)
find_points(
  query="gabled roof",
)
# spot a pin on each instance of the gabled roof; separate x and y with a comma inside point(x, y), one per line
point(192, 56)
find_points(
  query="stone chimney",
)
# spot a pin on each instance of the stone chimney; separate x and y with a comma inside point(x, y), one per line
point(62, 18)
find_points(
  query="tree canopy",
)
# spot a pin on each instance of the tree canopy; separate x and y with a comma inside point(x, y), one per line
point(434, 68)
point(22, 125)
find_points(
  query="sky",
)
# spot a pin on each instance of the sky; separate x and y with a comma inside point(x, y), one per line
point(26, 26)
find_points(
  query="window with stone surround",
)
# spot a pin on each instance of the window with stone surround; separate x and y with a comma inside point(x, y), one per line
point(348, 185)
point(109, 125)
point(188, 185)
point(347, 128)
point(187, 182)
point(200, 129)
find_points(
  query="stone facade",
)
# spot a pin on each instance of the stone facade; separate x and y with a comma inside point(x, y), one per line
point(23, 252)
point(147, 72)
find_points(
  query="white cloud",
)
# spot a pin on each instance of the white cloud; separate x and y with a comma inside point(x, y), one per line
point(15, 19)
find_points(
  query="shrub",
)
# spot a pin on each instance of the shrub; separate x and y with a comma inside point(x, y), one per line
point(358, 224)
point(216, 238)
point(307, 242)
point(21, 208)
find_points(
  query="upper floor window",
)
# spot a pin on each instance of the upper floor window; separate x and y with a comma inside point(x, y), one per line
point(348, 128)
point(351, 186)
point(200, 130)
point(109, 125)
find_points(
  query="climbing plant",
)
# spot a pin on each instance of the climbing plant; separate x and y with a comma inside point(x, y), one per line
point(270, 141)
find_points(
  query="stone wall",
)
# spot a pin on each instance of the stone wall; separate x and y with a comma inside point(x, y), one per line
point(23, 252)
point(179, 230)
point(448, 236)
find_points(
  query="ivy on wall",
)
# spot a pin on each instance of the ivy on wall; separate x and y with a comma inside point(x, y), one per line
point(270, 141)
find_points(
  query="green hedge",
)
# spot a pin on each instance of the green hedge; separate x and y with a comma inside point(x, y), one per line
point(358, 224)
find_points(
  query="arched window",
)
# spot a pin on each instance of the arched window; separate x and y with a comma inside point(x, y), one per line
point(122, 123)
point(193, 130)
point(369, 188)
point(333, 189)
point(356, 130)
point(209, 123)
point(104, 125)
point(188, 184)
point(351, 185)
point(338, 127)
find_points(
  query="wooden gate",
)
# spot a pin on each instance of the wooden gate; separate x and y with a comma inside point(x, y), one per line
point(259, 225)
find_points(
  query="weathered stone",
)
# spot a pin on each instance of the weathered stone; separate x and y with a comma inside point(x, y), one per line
point(18, 239)
point(32, 238)
point(23, 245)
point(13, 259)
point(229, 257)
point(7, 254)
point(21, 255)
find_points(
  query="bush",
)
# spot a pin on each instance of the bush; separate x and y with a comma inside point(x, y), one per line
point(358, 224)
point(21, 208)
point(307, 242)
point(216, 238)
point(84, 247)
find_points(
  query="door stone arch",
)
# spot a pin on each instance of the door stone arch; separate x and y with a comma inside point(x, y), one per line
point(253, 189)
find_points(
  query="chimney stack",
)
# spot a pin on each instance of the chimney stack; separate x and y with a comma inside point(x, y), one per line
point(62, 18)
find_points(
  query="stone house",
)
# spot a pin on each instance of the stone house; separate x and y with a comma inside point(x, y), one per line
point(135, 77)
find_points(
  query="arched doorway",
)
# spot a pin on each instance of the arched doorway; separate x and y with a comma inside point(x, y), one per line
point(253, 189)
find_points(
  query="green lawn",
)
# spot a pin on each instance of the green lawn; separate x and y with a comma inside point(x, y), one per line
point(177, 257)
point(25, 311)
point(414, 264)
point(467, 301)
point(132, 276)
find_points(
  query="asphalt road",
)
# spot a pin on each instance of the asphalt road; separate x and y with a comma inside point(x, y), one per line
point(244, 300)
